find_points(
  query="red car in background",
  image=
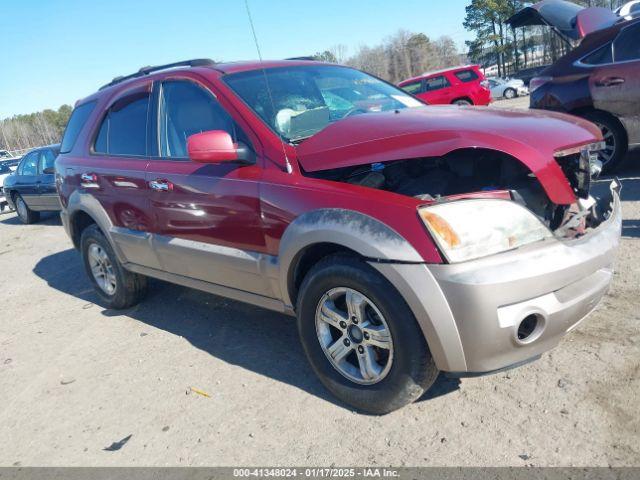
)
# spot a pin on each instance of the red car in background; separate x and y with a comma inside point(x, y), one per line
point(459, 85)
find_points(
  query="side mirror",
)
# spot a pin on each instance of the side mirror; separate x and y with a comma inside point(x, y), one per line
point(216, 146)
point(49, 171)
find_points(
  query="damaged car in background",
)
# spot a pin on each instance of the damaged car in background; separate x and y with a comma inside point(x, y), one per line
point(599, 79)
point(406, 239)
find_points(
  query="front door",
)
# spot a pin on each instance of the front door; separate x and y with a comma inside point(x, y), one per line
point(207, 216)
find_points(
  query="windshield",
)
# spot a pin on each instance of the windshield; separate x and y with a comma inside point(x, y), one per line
point(301, 101)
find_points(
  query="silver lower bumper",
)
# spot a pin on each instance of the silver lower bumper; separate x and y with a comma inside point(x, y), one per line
point(476, 329)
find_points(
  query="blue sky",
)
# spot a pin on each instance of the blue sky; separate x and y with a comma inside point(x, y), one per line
point(57, 51)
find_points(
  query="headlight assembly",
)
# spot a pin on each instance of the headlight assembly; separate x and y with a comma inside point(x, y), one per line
point(469, 229)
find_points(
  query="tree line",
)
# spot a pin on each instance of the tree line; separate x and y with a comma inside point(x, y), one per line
point(403, 55)
point(511, 50)
point(23, 132)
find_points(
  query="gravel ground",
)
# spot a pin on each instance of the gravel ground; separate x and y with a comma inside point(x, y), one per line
point(82, 386)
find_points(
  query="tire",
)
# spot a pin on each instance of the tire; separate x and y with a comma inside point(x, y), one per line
point(409, 366)
point(615, 138)
point(128, 288)
point(510, 93)
point(462, 101)
point(25, 214)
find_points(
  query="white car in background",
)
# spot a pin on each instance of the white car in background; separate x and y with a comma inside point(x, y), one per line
point(510, 88)
point(629, 10)
point(7, 167)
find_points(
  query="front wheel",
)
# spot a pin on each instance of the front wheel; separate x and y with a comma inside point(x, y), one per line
point(462, 102)
point(510, 93)
point(116, 286)
point(361, 338)
point(25, 214)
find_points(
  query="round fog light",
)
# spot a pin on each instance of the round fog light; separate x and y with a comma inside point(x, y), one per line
point(530, 328)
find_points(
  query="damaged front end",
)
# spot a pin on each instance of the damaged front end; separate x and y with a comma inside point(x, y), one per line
point(502, 189)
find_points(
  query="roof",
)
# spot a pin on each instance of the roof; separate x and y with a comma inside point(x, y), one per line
point(245, 66)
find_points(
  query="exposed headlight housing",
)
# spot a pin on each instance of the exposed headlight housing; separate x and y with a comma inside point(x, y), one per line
point(469, 229)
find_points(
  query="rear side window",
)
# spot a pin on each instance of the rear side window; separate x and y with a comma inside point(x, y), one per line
point(627, 46)
point(413, 88)
point(467, 76)
point(600, 57)
point(124, 128)
point(76, 122)
point(436, 83)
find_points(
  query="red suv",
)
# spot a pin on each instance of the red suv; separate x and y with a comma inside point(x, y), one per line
point(407, 239)
point(460, 86)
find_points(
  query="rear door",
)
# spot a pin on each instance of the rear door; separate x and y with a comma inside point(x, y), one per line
point(207, 216)
point(437, 90)
point(26, 179)
point(49, 199)
point(615, 87)
point(114, 172)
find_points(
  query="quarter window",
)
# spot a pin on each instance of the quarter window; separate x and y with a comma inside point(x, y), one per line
point(76, 122)
point(186, 109)
point(413, 88)
point(124, 129)
point(467, 76)
point(627, 46)
point(601, 56)
point(437, 83)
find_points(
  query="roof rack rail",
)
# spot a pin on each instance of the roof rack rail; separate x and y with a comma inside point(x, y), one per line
point(198, 62)
point(301, 58)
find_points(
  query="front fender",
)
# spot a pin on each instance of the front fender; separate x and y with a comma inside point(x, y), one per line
point(401, 264)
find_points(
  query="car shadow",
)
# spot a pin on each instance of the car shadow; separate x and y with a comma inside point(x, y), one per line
point(46, 218)
point(259, 340)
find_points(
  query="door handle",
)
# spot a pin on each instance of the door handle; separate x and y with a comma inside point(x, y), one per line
point(609, 82)
point(89, 180)
point(161, 185)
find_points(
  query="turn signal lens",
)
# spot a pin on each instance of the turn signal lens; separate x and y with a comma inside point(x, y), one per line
point(440, 227)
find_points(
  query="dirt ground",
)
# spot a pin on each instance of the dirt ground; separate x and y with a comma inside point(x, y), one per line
point(82, 386)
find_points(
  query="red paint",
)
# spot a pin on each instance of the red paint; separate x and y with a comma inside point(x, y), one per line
point(475, 91)
point(250, 206)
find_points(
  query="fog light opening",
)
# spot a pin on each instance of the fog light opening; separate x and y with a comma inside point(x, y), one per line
point(530, 328)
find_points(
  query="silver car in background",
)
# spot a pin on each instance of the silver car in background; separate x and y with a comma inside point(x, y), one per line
point(510, 88)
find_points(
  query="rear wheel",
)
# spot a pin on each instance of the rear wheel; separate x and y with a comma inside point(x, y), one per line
point(510, 93)
point(116, 286)
point(361, 338)
point(25, 214)
point(615, 139)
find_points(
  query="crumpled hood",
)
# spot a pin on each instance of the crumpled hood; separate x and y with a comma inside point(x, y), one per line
point(437, 130)
point(532, 137)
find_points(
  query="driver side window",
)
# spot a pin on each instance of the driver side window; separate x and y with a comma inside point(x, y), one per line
point(186, 109)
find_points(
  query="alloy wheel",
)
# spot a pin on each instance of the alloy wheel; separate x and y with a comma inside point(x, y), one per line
point(102, 269)
point(606, 155)
point(354, 336)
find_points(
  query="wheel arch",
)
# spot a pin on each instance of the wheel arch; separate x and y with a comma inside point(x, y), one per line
point(318, 233)
point(585, 110)
point(465, 98)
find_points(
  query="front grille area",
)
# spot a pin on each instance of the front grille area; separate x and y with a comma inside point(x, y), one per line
point(577, 170)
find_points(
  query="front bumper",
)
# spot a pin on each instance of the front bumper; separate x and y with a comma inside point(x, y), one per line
point(558, 282)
